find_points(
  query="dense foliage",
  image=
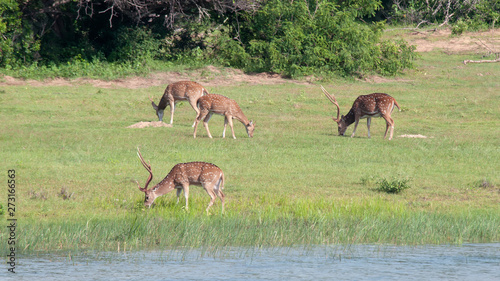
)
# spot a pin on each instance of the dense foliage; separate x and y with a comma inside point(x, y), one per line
point(475, 14)
point(293, 38)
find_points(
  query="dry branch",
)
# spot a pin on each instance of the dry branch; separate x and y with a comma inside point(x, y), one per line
point(480, 61)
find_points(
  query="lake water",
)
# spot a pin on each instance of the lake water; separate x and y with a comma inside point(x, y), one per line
point(339, 262)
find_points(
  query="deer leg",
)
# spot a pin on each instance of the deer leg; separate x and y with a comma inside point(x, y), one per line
point(195, 107)
point(229, 119)
point(392, 128)
point(218, 191)
point(179, 190)
point(388, 123)
point(225, 125)
point(172, 109)
point(211, 193)
point(205, 123)
point(355, 126)
point(200, 116)
point(368, 123)
point(185, 186)
point(196, 119)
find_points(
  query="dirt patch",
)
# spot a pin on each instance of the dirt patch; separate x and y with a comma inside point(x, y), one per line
point(467, 43)
point(144, 124)
point(415, 136)
point(375, 79)
point(208, 76)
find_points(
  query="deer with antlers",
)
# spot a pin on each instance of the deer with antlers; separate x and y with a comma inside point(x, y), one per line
point(225, 106)
point(178, 91)
point(182, 175)
point(365, 106)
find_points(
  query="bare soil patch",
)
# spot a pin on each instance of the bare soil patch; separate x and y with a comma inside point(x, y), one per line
point(419, 136)
point(144, 124)
point(467, 43)
point(207, 76)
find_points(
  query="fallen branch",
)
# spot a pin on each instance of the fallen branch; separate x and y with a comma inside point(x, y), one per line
point(480, 61)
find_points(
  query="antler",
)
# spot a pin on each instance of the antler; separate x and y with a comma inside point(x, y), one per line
point(148, 168)
point(151, 99)
point(334, 101)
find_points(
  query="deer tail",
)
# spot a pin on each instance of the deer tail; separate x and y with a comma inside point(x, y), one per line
point(222, 181)
point(396, 104)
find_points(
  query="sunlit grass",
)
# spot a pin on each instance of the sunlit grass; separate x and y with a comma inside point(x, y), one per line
point(345, 222)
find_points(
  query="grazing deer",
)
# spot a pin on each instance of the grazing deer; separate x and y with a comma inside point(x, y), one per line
point(181, 177)
point(365, 106)
point(183, 90)
point(222, 105)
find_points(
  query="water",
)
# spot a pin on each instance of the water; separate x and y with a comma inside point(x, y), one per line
point(354, 262)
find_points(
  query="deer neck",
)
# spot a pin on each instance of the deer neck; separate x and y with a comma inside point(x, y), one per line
point(350, 117)
point(163, 102)
point(165, 186)
point(242, 118)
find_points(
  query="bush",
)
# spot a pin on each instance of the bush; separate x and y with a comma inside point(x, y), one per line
point(392, 186)
point(484, 13)
point(18, 43)
point(459, 27)
point(292, 38)
point(296, 39)
point(134, 45)
point(395, 57)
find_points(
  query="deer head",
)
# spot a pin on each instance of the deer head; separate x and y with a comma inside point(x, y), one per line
point(150, 195)
point(341, 122)
point(250, 128)
point(159, 112)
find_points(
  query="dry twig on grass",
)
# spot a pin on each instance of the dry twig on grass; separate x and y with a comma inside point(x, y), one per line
point(480, 61)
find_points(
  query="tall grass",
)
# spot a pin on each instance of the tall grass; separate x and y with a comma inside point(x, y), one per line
point(295, 182)
point(348, 223)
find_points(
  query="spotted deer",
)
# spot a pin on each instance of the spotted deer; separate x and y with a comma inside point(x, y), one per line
point(182, 175)
point(222, 105)
point(178, 91)
point(365, 106)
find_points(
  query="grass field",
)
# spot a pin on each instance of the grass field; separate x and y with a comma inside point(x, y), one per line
point(295, 183)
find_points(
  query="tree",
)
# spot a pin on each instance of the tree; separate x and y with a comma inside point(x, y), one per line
point(18, 43)
point(301, 38)
point(444, 12)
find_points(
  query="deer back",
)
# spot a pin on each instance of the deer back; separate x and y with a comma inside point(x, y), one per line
point(184, 90)
point(219, 104)
point(195, 173)
point(373, 105)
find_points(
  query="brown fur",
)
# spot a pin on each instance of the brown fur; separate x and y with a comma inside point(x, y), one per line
point(178, 91)
point(181, 176)
point(366, 106)
point(225, 106)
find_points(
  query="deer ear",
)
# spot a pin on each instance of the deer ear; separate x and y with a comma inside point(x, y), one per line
point(154, 106)
point(251, 123)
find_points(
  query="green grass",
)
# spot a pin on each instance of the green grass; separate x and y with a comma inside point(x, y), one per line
point(326, 222)
point(95, 69)
point(296, 182)
point(393, 185)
